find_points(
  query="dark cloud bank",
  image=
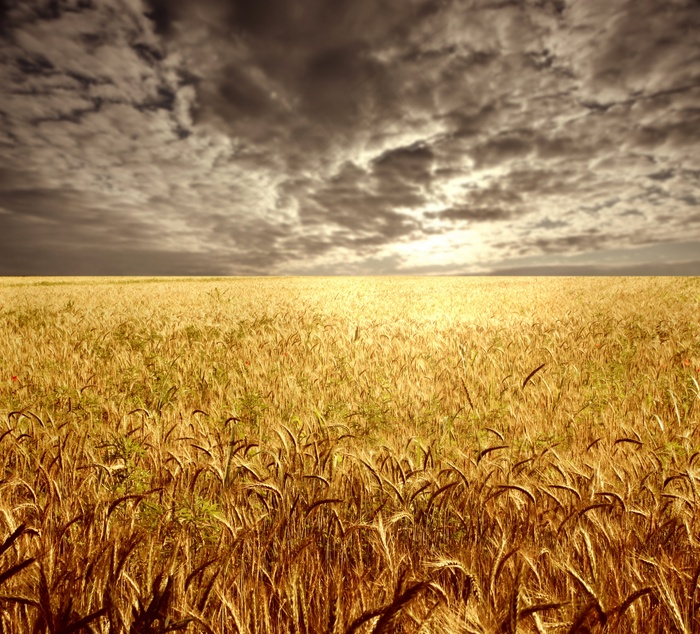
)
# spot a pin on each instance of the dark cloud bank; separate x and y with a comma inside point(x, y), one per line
point(403, 136)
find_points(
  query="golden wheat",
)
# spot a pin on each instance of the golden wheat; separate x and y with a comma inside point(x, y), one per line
point(349, 455)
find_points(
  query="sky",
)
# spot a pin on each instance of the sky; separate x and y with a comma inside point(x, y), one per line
point(350, 137)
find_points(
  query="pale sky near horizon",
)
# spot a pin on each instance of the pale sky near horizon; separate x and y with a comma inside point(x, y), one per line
point(233, 137)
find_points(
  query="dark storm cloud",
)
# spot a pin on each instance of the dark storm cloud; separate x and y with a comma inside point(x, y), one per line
point(294, 64)
point(278, 136)
point(410, 164)
point(3, 15)
point(360, 206)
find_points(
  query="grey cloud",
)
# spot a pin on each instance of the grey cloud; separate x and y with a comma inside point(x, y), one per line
point(314, 62)
point(341, 85)
point(354, 201)
point(50, 257)
point(362, 213)
point(542, 182)
point(35, 65)
point(408, 164)
point(149, 54)
point(511, 145)
point(244, 98)
point(70, 235)
point(647, 61)
point(271, 132)
point(567, 147)
point(654, 195)
point(650, 138)
point(663, 175)
point(617, 66)
point(671, 269)
point(70, 217)
point(676, 130)
point(4, 8)
point(649, 256)
point(162, 13)
point(548, 223)
point(592, 240)
point(369, 265)
point(690, 176)
point(301, 247)
point(12, 176)
point(56, 205)
point(466, 124)
point(494, 194)
point(474, 214)
point(595, 209)
point(67, 88)
point(248, 235)
point(492, 203)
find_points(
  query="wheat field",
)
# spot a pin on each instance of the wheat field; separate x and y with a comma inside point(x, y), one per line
point(349, 455)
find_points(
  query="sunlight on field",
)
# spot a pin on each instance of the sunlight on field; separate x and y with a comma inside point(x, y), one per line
point(350, 454)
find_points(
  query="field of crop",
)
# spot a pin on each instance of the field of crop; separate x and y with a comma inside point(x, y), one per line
point(339, 455)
